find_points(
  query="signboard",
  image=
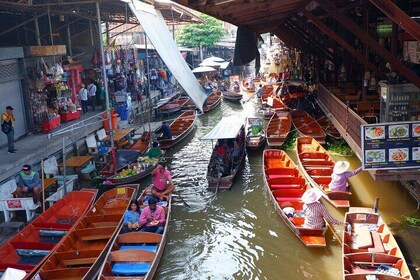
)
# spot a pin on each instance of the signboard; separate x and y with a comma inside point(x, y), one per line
point(391, 145)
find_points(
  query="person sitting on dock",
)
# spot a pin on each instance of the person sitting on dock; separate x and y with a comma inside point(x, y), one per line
point(165, 129)
point(155, 151)
point(152, 218)
point(339, 176)
point(162, 181)
point(314, 211)
point(132, 217)
point(29, 182)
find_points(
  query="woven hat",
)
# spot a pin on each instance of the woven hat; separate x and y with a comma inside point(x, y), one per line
point(311, 195)
point(341, 167)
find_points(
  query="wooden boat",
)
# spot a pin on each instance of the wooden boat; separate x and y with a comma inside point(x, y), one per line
point(317, 166)
point(82, 251)
point(286, 185)
point(222, 169)
point(213, 100)
point(180, 128)
point(124, 157)
point(172, 107)
point(274, 105)
point(188, 105)
point(329, 128)
point(232, 96)
point(143, 143)
point(369, 248)
point(32, 246)
point(278, 128)
point(136, 255)
point(268, 91)
point(247, 86)
point(255, 133)
point(306, 125)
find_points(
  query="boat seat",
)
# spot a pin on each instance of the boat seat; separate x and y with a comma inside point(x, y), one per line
point(131, 269)
point(284, 199)
point(377, 243)
point(81, 261)
point(298, 221)
point(285, 186)
point(32, 253)
point(152, 248)
point(45, 232)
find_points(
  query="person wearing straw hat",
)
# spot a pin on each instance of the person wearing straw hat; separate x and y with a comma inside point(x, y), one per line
point(314, 211)
point(340, 174)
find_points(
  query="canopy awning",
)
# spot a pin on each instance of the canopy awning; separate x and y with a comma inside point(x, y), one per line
point(227, 128)
point(203, 69)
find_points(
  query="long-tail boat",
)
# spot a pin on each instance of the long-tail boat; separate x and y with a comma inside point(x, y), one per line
point(317, 166)
point(278, 128)
point(306, 125)
point(232, 96)
point(172, 107)
point(29, 248)
point(223, 167)
point(143, 143)
point(370, 250)
point(136, 255)
point(286, 185)
point(213, 100)
point(247, 85)
point(82, 252)
point(274, 105)
point(255, 133)
point(180, 128)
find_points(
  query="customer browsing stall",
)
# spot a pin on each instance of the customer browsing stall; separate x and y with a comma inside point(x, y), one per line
point(314, 211)
point(162, 181)
point(152, 218)
point(339, 176)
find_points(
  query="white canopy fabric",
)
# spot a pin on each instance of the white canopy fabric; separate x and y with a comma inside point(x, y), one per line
point(210, 64)
point(214, 58)
point(156, 29)
point(227, 128)
point(203, 69)
point(13, 274)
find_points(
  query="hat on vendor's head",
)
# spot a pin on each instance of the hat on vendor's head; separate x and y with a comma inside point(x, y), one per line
point(162, 163)
point(311, 195)
point(26, 167)
point(341, 166)
point(9, 108)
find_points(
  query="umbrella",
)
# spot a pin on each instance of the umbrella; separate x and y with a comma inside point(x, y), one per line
point(215, 59)
point(210, 64)
point(203, 69)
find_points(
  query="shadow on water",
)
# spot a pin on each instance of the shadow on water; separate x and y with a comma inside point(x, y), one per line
point(237, 234)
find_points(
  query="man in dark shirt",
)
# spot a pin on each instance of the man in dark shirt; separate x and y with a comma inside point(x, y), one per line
point(165, 129)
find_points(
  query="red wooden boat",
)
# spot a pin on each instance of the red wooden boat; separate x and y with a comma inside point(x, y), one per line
point(247, 85)
point(268, 91)
point(172, 107)
point(286, 185)
point(329, 128)
point(213, 100)
point(306, 125)
point(82, 252)
point(278, 128)
point(369, 248)
point(232, 96)
point(180, 127)
point(32, 246)
point(136, 255)
point(317, 166)
point(274, 105)
point(188, 105)
point(143, 143)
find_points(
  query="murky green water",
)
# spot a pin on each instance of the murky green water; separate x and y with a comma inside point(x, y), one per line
point(237, 234)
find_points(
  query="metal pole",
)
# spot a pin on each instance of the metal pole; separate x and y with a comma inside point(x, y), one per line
point(91, 34)
point(38, 38)
point(69, 39)
point(64, 166)
point(149, 98)
point(108, 113)
point(51, 35)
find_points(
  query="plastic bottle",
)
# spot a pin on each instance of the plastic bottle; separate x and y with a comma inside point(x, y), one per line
point(348, 228)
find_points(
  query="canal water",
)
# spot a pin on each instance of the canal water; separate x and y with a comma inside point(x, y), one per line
point(236, 234)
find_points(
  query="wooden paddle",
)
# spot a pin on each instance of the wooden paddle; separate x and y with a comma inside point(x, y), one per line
point(180, 197)
point(334, 233)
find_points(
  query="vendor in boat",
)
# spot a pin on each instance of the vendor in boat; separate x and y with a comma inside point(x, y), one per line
point(165, 129)
point(154, 151)
point(152, 218)
point(315, 212)
point(162, 181)
point(339, 176)
point(29, 182)
point(132, 217)
point(236, 86)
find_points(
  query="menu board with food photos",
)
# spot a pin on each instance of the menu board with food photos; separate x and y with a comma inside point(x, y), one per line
point(391, 145)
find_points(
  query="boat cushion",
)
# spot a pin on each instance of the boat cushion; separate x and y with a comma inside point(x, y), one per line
point(130, 269)
point(151, 248)
point(89, 168)
point(31, 253)
point(44, 232)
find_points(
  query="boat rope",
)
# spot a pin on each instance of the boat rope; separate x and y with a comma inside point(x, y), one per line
point(72, 216)
point(117, 197)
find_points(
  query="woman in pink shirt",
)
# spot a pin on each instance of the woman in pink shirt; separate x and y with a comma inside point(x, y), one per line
point(152, 218)
point(162, 181)
point(339, 176)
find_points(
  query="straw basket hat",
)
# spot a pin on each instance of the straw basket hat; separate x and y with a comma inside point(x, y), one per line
point(341, 167)
point(311, 195)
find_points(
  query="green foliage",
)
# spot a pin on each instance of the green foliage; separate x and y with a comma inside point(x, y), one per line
point(412, 221)
point(290, 143)
point(201, 34)
point(340, 147)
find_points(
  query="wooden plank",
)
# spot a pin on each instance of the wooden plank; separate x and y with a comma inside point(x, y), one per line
point(83, 261)
point(132, 256)
point(139, 237)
